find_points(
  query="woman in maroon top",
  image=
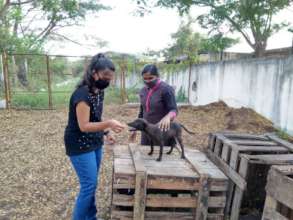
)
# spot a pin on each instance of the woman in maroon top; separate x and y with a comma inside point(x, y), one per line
point(157, 101)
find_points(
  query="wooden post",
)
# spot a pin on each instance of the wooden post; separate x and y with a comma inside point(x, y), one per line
point(189, 82)
point(269, 208)
point(6, 81)
point(243, 168)
point(140, 183)
point(49, 83)
point(203, 198)
point(122, 82)
point(204, 190)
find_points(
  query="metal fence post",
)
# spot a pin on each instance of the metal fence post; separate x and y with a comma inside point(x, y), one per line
point(49, 83)
point(6, 81)
point(189, 82)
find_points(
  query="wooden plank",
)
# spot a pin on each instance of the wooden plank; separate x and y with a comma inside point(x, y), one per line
point(162, 201)
point(232, 174)
point(270, 210)
point(136, 157)
point(284, 169)
point(163, 183)
point(180, 172)
point(218, 185)
point(218, 145)
point(122, 181)
point(278, 140)
point(161, 215)
point(171, 202)
point(211, 141)
point(215, 217)
point(226, 141)
point(153, 163)
point(243, 168)
point(216, 201)
point(244, 136)
point(124, 169)
point(166, 201)
point(203, 198)
point(229, 195)
point(233, 164)
point(276, 159)
point(255, 143)
point(140, 184)
point(225, 153)
point(273, 149)
point(172, 183)
point(237, 200)
point(153, 215)
point(234, 158)
point(280, 187)
point(167, 164)
point(203, 166)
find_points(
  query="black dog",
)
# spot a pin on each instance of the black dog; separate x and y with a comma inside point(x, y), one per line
point(158, 137)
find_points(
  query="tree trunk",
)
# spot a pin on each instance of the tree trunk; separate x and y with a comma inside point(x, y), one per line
point(1, 72)
point(21, 64)
point(259, 49)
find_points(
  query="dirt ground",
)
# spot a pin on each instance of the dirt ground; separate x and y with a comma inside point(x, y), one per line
point(36, 177)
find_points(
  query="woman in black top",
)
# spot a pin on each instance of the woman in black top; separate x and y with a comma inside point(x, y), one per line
point(85, 130)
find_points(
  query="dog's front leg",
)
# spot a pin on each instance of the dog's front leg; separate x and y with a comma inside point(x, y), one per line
point(171, 147)
point(152, 148)
point(179, 139)
point(161, 152)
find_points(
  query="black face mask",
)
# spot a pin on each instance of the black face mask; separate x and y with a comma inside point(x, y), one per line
point(102, 84)
point(151, 84)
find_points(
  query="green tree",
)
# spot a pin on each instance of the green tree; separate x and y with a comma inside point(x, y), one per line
point(253, 19)
point(186, 44)
point(218, 43)
point(25, 25)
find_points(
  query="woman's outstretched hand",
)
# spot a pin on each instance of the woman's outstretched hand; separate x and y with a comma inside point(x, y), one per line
point(116, 126)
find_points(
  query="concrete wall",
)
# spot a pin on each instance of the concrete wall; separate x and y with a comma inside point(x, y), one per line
point(265, 85)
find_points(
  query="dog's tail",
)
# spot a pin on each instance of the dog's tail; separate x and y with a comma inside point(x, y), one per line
point(189, 132)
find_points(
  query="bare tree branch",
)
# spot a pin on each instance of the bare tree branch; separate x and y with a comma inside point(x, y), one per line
point(21, 3)
point(66, 38)
point(4, 8)
point(46, 31)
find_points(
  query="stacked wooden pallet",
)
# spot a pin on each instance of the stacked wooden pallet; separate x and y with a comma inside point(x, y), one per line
point(175, 188)
point(246, 159)
point(279, 199)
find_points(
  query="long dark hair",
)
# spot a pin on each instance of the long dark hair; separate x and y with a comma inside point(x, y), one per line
point(150, 68)
point(98, 62)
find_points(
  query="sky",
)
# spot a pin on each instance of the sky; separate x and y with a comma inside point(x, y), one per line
point(127, 33)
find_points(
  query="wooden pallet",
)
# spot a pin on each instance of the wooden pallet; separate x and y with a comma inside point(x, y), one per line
point(245, 158)
point(175, 188)
point(279, 200)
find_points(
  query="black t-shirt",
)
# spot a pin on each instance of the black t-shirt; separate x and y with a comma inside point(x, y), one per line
point(76, 141)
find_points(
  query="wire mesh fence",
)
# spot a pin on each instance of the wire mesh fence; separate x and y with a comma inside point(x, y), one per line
point(40, 81)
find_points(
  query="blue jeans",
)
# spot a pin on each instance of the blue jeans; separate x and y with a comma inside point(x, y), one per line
point(87, 168)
